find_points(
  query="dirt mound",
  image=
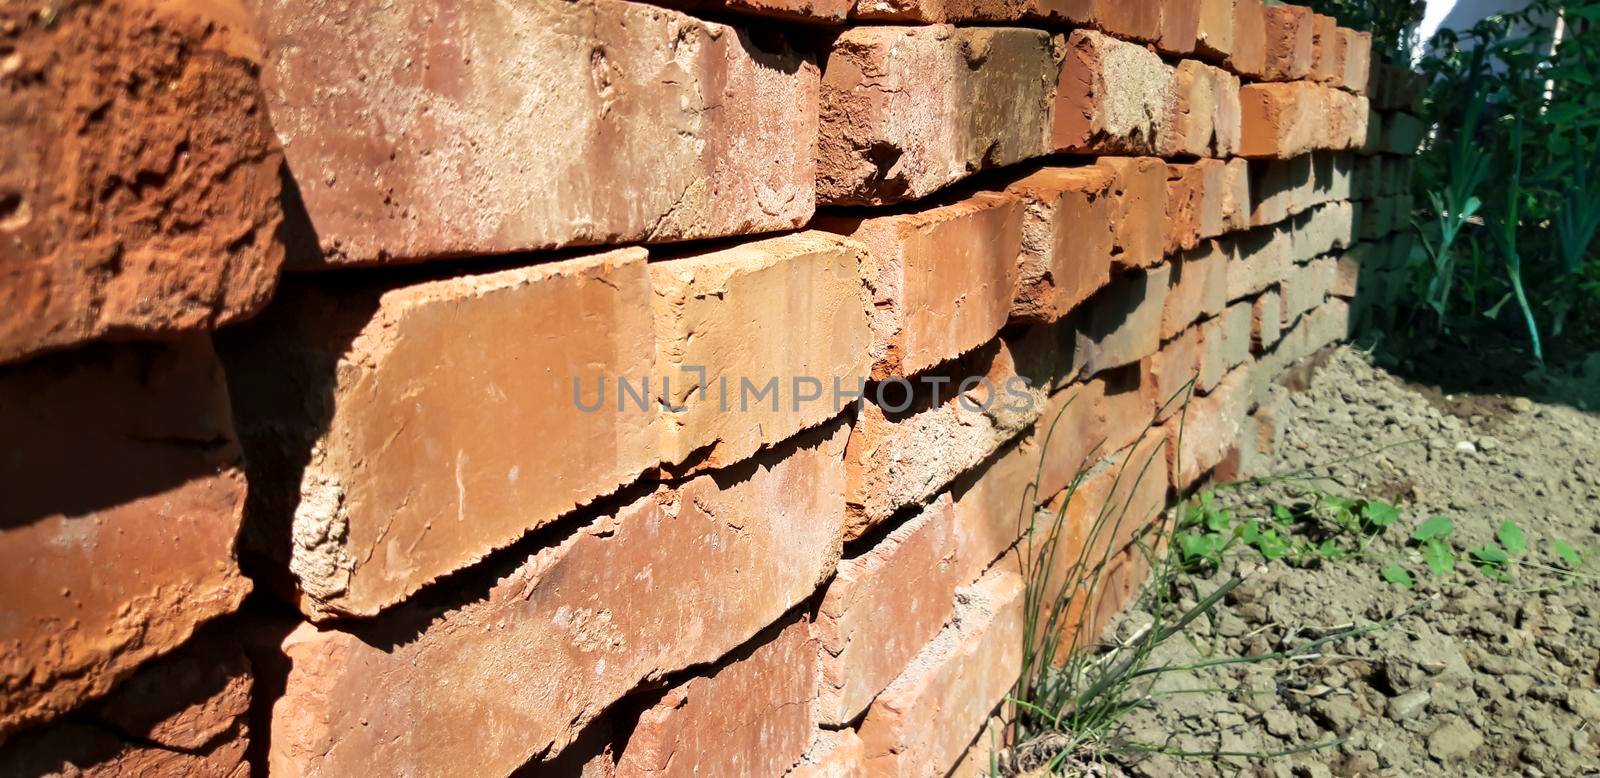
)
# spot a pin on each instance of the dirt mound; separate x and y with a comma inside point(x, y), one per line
point(1477, 677)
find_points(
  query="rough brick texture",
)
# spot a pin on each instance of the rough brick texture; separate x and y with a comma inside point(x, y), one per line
point(879, 144)
point(138, 176)
point(675, 578)
point(942, 280)
point(1068, 239)
point(752, 716)
point(183, 714)
point(119, 518)
point(911, 446)
point(519, 135)
point(1112, 98)
point(925, 720)
point(368, 510)
point(1290, 36)
point(727, 320)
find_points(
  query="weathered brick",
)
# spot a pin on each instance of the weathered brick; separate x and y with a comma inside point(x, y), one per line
point(1289, 51)
point(1229, 117)
point(1258, 259)
point(183, 714)
point(924, 721)
point(519, 144)
point(876, 145)
point(1321, 230)
point(1140, 196)
point(1199, 289)
point(1209, 429)
point(1225, 343)
point(1214, 33)
point(729, 318)
point(1327, 51)
point(1180, 26)
point(1122, 406)
point(1186, 203)
point(882, 606)
point(811, 11)
point(560, 635)
point(128, 210)
point(1236, 196)
point(1111, 98)
point(1332, 177)
point(1308, 287)
point(832, 754)
point(395, 435)
point(1171, 369)
point(1067, 240)
point(1281, 120)
point(109, 571)
point(1357, 59)
point(1129, 21)
point(1268, 315)
point(751, 716)
point(1280, 188)
point(1123, 323)
point(1187, 126)
point(1249, 55)
point(907, 446)
point(942, 279)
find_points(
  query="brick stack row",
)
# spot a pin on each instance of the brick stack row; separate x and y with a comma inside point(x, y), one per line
point(643, 389)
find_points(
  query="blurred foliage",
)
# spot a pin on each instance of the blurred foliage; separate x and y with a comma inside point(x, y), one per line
point(1393, 23)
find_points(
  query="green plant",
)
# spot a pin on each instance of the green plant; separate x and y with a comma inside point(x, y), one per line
point(1509, 199)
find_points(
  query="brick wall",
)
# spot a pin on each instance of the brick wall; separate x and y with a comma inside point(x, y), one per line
point(622, 389)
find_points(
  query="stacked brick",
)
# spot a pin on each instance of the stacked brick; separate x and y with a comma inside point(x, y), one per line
point(651, 390)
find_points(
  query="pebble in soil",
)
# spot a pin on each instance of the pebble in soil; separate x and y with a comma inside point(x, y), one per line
point(1490, 678)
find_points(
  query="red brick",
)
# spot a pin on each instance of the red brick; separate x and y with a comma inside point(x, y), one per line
point(923, 722)
point(1281, 120)
point(1187, 126)
point(561, 635)
point(1129, 21)
point(730, 318)
point(1123, 401)
point(1199, 289)
point(1249, 56)
point(1140, 195)
point(812, 11)
point(1358, 59)
point(1322, 230)
point(119, 519)
point(1214, 35)
point(1197, 195)
point(1225, 343)
point(1328, 51)
point(1289, 51)
point(1258, 259)
point(1308, 287)
point(1332, 177)
point(942, 279)
point(875, 144)
point(184, 714)
point(416, 457)
point(1236, 195)
point(1111, 98)
point(1280, 188)
point(127, 210)
point(1064, 442)
point(1124, 575)
point(751, 716)
point(994, 502)
point(909, 452)
point(1123, 323)
point(1172, 369)
point(438, 131)
point(883, 606)
point(1229, 117)
point(1067, 240)
point(1218, 197)
point(1268, 316)
point(833, 754)
point(1348, 275)
point(1180, 26)
point(1209, 429)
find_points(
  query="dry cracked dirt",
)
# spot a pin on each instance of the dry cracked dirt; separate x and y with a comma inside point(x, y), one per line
point(1483, 677)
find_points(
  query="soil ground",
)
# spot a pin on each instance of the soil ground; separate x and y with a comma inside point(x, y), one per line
point(1484, 677)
